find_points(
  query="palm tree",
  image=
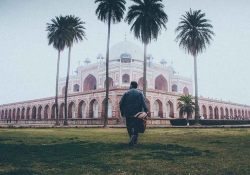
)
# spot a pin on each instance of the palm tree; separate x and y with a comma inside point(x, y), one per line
point(109, 11)
point(194, 33)
point(58, 36)
point(186, 105)
point(76, 30)
point(148, 18)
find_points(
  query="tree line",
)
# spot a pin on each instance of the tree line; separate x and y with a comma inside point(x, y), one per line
point(147, 18)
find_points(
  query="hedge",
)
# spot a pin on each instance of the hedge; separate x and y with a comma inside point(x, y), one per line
point(183, 122)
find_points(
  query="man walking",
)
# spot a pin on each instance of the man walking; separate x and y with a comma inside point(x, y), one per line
point(132, 102)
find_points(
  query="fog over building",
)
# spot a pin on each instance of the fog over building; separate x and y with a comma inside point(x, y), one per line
point(86, 92)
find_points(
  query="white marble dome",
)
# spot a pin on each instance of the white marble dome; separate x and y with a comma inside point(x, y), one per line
point(125, 47)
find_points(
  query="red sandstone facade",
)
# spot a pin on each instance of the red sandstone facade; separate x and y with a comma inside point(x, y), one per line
point(87, 93)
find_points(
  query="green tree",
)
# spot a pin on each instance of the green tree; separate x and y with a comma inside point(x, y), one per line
point(194, 33)
point(186, 105)
point(76, 31)
point(58, 36)
point(109, 11)
point(148, 18)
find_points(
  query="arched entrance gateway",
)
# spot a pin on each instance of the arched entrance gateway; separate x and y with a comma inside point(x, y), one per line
point(125, 79)
point(227, 114)
point(109, 108)
point(39, 114)
point(53, 112)
point(34, 112)
point(72, 111)
point(161, 83)
point(169, 110)
point(82, 109)
point(158, 113)
point(18, 114)
point(23, 113)
point(216, 113)
point(28, 113)
point(46, 112)
point(93, 109)
point(61, 111)
point(76, 88)
point(204, 111)
point(210, 112)
point(89, 83)
point(174, 88)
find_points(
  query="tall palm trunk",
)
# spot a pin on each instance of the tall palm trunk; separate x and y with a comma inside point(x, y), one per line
point(196, 90)
point(107, 76)
point(145, 70)
point(56, 98)
point(66, 90)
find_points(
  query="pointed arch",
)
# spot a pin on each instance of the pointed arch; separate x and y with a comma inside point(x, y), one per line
point(76, 88)
point(61, 111)
point(204, 111)
point(23, 113)
point(90, 83)
point(6, 113)
point(174, 88)
point(34, 112)
point(216, 113)
point(158, 109)
point(185, 91)
point(227, 113)
point(53, 112)
point(39, 113)
point(82, 109)
point(93, 109)
point(211, 116)
point(221, 113)
point(169, 109)
point(231, 112)
point(109, 108)
point(28, 113)
point(161, 83)
point(18, 114)
point(46, 112)
point(72, 110)
point(125, 79)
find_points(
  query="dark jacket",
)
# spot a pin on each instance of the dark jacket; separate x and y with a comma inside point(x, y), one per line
point(132, 102)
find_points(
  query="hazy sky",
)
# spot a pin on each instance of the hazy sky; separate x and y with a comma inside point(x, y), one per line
point(28, 64)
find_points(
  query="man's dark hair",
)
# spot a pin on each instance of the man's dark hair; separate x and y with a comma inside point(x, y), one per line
point(133, 84)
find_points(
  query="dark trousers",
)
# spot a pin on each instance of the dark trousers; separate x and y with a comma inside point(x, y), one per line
point(131, 126)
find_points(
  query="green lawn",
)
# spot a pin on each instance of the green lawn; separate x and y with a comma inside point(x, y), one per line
point(106, 151)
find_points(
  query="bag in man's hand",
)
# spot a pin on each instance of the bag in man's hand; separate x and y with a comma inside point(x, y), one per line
point(141, 121)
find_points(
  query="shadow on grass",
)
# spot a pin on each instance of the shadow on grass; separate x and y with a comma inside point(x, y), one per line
point(78, 155)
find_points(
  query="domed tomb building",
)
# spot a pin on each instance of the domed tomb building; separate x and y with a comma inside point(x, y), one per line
point(86, 92)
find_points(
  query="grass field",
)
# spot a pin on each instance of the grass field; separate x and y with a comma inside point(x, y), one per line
point(106, 151)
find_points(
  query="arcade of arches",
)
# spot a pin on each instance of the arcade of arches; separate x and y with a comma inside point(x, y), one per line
point(95, 109)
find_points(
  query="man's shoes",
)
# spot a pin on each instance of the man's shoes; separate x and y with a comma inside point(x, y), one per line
point(132, 139)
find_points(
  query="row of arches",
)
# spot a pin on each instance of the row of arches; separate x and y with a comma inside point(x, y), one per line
point(95, 109)
point(222, 113)
point(90, 83)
